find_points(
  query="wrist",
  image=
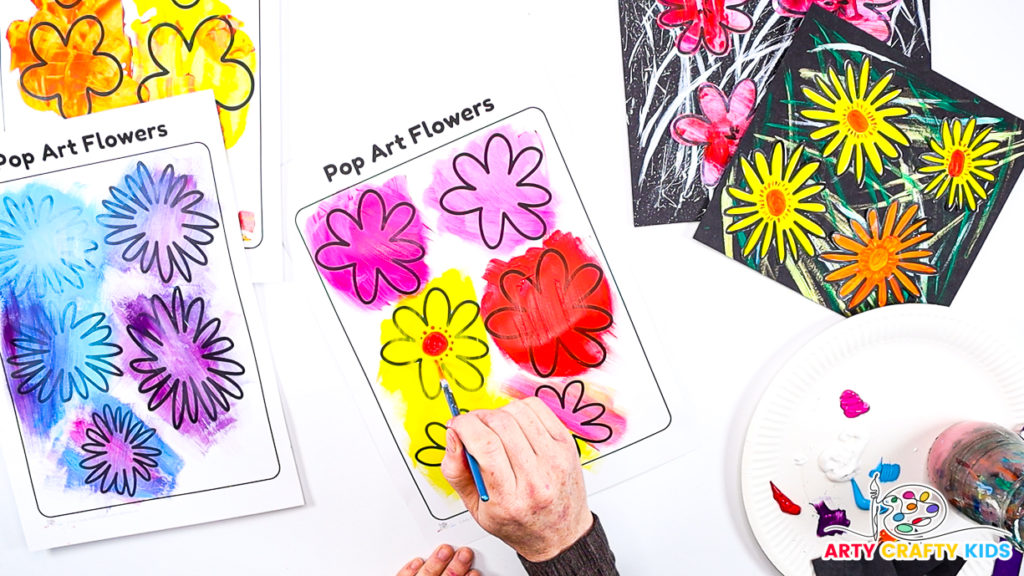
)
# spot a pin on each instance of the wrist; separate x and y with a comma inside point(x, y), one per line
point(561, 540)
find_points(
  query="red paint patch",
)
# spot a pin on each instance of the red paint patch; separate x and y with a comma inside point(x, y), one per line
point(550, 309)
point(785, 504)
point(435, 344)
point(247, 220)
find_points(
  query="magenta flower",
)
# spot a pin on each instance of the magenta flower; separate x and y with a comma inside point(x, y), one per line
point(871, 16)
point(373, 251)
point(501, 195)
point(119, 454)
point(720, 128)
point(704, 21)
point(588, 420)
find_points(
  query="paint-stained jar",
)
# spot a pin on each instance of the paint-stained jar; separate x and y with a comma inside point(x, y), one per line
point(979, 467)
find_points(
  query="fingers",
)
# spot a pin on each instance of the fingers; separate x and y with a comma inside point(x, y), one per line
point(520, 452)
point(445, 561)
point(557, 430)
point(532, 427)
point(455, 469)
point(480, 440)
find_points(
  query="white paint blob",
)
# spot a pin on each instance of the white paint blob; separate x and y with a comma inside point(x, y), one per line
point(800, 459)
point(840, 460)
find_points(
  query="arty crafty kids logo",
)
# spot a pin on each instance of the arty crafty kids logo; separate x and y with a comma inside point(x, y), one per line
point(906, 524)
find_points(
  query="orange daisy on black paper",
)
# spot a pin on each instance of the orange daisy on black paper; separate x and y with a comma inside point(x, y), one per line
point(886, 257)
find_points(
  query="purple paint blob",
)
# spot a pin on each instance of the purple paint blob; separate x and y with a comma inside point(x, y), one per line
point(496, 191)
point(852, 404)
point(369, 243)
point(828, 518)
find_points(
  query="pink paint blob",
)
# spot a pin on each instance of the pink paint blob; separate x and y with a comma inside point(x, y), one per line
point(585, 410)
point(852, 404)
point(495, 191)
point(369, 243)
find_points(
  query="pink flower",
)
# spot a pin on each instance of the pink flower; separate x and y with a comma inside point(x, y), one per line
point(586, 419)
point(720, 128)
point(870, 16)
point(707, 21)
point(370, 244)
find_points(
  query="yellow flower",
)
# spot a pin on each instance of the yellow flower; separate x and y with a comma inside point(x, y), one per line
point(959, 162)
point(776, 203)
point(881, 260)
point(857, 119)
point(439, 337)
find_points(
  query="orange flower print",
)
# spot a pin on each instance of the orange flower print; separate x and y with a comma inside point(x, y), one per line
point(882, 258)
point(70, 68)
point(74, 57)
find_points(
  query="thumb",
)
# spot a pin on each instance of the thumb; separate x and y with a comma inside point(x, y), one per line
point(456, 470)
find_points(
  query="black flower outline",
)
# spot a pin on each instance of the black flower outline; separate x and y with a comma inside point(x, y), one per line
point(65, 40)
point(508, 220)
point(166, 332)
point(113, 433)
point(136, 217)
point(587, 416)
point(190, 45)
point(342, 244)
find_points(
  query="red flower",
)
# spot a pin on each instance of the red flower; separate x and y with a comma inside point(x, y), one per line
point(549, 309)
point(871, 16)
point(720, 128)
point(707, 21)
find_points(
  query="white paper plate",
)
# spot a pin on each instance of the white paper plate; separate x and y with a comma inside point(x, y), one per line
point(921, 368)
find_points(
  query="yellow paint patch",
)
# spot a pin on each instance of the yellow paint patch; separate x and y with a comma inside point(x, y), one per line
point(439, 326)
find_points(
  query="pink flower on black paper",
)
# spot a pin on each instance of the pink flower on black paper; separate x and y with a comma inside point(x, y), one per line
point(708, 22)
point(720, 128)
point(871, 16)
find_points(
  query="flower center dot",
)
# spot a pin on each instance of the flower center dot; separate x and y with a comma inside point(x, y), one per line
point(878, 259)
point(858, 121)
point(956, 163)
point(435, 344)
point(776, 202)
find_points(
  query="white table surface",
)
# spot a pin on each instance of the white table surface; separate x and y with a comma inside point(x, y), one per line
point(359, 71)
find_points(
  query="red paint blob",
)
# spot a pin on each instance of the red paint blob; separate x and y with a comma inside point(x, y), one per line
point(956, 163)
point(435, 344)
point(785, 504)
point(549, 309)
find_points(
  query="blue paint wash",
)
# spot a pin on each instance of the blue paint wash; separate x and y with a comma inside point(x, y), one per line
point(886, 473)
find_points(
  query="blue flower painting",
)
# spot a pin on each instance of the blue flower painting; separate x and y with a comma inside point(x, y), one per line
point(45, 243)
point(60, 356)
point(159, 224)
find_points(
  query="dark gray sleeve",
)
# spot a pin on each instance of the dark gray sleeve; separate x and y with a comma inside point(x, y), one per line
point(589, 556)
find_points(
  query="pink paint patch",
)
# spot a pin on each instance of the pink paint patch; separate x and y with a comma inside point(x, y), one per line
point(370, 243)
point(584, 409)
point(247, 220)
point(852, 404)
point(496, 192)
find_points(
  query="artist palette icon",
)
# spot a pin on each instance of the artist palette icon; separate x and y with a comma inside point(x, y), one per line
point(911, 511)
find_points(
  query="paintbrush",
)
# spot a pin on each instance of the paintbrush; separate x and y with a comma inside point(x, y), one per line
point(474, 468)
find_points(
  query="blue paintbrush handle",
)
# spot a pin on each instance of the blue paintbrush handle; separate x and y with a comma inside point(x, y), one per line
point(474, 468)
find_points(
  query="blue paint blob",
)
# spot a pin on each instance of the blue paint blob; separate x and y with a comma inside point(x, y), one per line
point(858, 497)
point(898, 517)
point(886, 472)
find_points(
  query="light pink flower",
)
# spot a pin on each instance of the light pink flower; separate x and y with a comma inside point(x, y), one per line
point(704, 21)
point(871, 16)
point(720, 128)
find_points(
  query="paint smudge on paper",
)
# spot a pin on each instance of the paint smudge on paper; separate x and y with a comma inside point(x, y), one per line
point(585, 409)
point(828, 519)
point(370, 244)
point(439, 326)
point(852, 404)
point(887, 472)
point(786, 505)
point(496, 191)
point(549, 310)
point(858, 497)
point(841, 459)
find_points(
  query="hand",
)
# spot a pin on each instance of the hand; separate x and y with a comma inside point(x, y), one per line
point(530, 466)
point(444, 561)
